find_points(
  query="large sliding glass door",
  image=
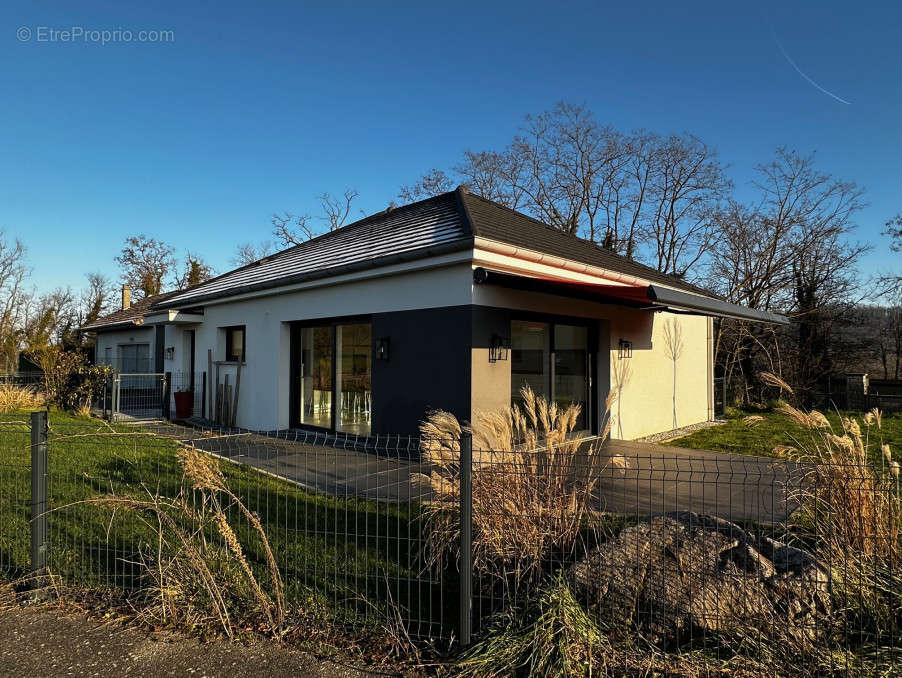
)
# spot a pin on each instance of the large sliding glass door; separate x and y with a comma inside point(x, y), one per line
point(354, 378)
point(553, 360)
point(334, 386)
point(316, 376)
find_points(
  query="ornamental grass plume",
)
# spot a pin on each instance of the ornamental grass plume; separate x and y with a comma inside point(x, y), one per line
point(534, 484)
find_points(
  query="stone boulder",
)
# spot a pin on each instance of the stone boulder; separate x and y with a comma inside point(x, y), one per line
point(681, 576)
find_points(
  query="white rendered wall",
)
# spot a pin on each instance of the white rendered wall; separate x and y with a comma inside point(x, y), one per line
point(263, 402)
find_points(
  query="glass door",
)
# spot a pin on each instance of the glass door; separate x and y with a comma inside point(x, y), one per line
point(530, 351)
point(316, 377)
point(553, 360)
point(353, 389)
point(571, 369)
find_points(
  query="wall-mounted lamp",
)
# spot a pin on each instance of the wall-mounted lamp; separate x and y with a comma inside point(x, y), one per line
point(626, 349)
point(499, 348)
point(382, 348)
point(170, 353)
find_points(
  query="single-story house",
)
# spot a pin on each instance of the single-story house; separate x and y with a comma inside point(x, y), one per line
point(453, 302)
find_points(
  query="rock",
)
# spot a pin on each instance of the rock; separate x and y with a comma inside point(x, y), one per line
point(681, 575)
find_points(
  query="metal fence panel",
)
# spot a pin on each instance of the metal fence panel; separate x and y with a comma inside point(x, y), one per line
point(770, 564)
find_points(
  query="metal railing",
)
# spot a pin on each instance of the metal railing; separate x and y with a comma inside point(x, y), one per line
point(772, 565)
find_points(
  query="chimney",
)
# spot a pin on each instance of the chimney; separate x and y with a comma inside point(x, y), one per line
point(126, 297)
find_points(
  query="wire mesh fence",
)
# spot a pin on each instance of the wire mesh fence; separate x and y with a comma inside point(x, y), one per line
point(781, 566)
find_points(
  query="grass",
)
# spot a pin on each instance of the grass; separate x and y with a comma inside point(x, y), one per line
point(355, 558)
point(774, 430)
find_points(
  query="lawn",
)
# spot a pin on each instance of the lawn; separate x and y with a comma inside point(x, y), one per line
point(761, 438)
point(352, 554)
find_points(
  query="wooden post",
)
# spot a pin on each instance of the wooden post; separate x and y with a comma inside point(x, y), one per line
point(203, 395)
point(234, 417)
point(212, 388)
point(227, 401)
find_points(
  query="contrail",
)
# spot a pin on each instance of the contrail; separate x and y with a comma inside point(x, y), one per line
point(802, 73)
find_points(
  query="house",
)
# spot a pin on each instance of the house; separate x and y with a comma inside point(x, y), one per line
point(453, 302)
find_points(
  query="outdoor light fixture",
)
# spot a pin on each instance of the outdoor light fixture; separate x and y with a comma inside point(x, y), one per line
point(382, 348)
point(626, 349)
point(499, 348)
point(170, 353)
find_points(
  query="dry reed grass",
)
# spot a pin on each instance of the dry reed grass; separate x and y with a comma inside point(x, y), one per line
point(14, 398)
point(533, 485)
point(849, 496)
point(199, 571)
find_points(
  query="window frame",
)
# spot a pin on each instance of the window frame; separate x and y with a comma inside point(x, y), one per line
point(229, 358)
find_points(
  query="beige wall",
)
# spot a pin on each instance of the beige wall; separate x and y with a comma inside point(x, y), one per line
point(646, 402)
point(654, 392)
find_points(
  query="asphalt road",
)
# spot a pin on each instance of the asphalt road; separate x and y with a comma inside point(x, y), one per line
point(50, 642)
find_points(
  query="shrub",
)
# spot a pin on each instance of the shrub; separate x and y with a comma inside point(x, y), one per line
point(532, 483)
point(69, 381)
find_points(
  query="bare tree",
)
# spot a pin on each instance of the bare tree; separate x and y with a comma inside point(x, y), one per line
point(642, 195)
point(493, 175)
point(248, 252)
point(790, 252)
point(894, 231)
point(292, 229)
point(686, 189)
point(289, 229)
point(434, 182)
point(337, 209)
point(145, 263)
point(13, 272)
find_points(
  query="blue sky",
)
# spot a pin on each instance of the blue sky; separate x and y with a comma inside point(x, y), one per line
point(256, 109)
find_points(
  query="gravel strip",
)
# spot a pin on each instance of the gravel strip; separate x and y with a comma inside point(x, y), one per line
point(667, 436)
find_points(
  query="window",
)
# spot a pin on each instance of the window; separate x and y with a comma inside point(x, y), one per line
point(134, 358)
point(235, 344)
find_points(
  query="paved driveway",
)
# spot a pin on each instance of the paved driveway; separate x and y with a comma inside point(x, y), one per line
point(659, 478)
point(663, 478)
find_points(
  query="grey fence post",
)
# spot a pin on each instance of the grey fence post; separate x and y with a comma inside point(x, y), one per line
point(38, 492)
point(167, 405)
point(466, 538)
point(114, 409)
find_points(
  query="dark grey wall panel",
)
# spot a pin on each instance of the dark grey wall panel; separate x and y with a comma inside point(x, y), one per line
point(428, 367)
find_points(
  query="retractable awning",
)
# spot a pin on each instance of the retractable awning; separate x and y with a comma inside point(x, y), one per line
point(646, 297)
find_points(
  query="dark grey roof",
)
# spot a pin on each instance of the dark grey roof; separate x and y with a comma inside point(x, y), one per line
point(444, 223)
point(133, 315)
point(413, 231)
